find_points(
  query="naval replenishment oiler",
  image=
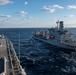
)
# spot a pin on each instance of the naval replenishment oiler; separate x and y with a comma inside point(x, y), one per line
point(58, 36)
point(9, 62)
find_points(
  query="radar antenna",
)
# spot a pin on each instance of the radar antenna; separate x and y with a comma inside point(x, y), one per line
point(57, 22)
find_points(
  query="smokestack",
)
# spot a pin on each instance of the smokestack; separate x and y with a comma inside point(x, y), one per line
point(61, 27)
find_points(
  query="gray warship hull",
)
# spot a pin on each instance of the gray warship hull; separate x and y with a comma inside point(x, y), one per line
point(56, 43)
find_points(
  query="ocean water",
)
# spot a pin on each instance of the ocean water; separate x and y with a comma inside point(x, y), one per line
point(39, 58)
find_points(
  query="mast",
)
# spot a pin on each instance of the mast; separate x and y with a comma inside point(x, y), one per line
point(57, 24)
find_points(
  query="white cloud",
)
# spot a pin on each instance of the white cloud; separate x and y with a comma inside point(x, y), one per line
point(23, 19)
point(28, 17)
point(57, 6)
point(22, 13)
point(2, 21)
point(71, 7)
point(26, 3)
point(51, 8)
point(2, 15)
point(69, 16)
point(4, 2)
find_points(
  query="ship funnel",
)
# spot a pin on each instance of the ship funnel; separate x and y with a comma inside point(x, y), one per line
point(61, 27)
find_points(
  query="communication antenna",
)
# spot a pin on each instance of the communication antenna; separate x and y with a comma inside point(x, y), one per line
point(57, 23)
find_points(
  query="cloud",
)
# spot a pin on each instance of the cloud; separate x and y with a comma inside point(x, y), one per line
point(2, 20)
point(26, 3)
point(69, 16)
point(57, 6)
point(22, 13)
point(2, 15)
point(23, 19)
point(71, 7)
point(28, 17)
point(4, 2)
point(51, 8)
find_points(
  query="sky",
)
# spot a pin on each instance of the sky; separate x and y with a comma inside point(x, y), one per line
point(37, 13)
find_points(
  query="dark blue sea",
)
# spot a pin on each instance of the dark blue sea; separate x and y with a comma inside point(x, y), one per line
point(39, 58)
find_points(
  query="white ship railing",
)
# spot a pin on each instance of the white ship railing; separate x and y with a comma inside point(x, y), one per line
point(20, 67)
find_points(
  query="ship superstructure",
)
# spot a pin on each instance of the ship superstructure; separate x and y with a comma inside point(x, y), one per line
point(58, 36)
point(9, 63)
